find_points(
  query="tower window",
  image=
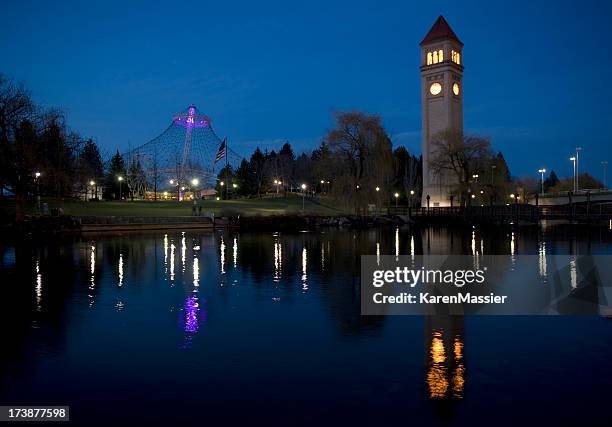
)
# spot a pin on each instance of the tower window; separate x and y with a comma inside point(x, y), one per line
point(456, 57)
point(435, 57)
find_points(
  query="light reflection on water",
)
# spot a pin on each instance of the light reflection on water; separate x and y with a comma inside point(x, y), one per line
point(274, 268)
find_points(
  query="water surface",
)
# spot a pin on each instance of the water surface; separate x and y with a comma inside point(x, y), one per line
point(265, 328)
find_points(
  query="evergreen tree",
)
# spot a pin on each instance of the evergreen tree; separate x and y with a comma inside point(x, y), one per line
point(225, 179)
point(551, 180)
point(116, 169)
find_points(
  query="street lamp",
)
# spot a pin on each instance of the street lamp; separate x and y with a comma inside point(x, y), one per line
point(542, 172)
point(92, 183)
point(120, 179)
point(573, 159)
point(36, 176)
point(578, 150)
point(396, 195)
point(195, 182)
point(303, 196)
point(475, 177)
point(377, 189)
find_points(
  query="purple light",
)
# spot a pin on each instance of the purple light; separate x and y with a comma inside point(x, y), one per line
point(191, 119)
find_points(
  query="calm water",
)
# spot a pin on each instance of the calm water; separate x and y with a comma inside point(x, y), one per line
point(264, 328)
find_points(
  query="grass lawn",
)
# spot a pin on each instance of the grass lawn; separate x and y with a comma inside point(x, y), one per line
point(246, 207)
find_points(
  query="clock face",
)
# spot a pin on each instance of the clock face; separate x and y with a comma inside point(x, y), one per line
point(456, 89)
point(435, 88)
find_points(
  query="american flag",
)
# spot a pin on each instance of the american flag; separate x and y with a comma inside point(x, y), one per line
point(221, 152)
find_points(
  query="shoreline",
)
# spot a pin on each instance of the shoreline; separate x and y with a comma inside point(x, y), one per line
point(66, 224)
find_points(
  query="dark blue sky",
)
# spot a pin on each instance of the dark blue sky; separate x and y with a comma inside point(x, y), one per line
point(537, 76)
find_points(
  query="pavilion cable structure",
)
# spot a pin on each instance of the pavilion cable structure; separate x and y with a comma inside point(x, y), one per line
point(182, 155)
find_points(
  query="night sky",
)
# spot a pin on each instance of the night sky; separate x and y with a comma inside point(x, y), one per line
point(537, 76)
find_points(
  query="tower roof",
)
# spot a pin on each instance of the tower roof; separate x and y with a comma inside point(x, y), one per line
point(440, 30)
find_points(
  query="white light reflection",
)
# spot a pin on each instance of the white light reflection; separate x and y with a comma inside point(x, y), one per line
point(542, 260)
point(475, 252)
point(172, 248)
point(304, 275)
point(92, 270)
point(183, 250)
point(222, 255)
point(92, 267)
point(412, 248)
point(512, 250)
point(235, 252)
point(120, 269)
point(38, 286)
point(377, 253)
point(278, 261)
point(396, 242)
point(196, 272)
point(165, 253)
point(322, 257)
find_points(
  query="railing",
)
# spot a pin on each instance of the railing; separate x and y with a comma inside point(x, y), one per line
point(509, 212)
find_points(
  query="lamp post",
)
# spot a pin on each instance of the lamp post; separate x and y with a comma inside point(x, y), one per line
point(92, 184)
point(303, 196)
point(396, 195)
point(120, 179)
point(542, 172)
point(573, 159)
point(36, 178)
point(605, 174)
point(194, 185)
point(475, 177)
point(578, 150)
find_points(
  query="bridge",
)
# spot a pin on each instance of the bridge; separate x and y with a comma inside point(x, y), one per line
point(570, 197)
point(512, 213)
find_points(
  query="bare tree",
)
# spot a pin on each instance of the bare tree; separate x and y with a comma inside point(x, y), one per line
point(363, 158)
point(455, 155)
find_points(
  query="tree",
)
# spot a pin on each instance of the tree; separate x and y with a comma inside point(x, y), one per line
point(362, 158)
point(15, 106)
point(499, 179)
point(225, 179)
point(115, 170)
point(456, 157)
point(257, 164)
point(587, 182)
point(89, 165)
point(408, 173)
point(551, 180)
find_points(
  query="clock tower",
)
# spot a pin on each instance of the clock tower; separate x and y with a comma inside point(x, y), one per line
point(442, 104)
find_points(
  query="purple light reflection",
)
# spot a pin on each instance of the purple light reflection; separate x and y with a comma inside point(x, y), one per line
point(192, 309)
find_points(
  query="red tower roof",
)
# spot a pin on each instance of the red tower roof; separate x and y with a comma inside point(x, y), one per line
point(440, 30)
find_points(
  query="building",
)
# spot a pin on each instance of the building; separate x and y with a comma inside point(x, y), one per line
point(442, 103)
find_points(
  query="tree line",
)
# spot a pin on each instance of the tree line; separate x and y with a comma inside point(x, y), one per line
point(355, 166)
point(39, 153)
